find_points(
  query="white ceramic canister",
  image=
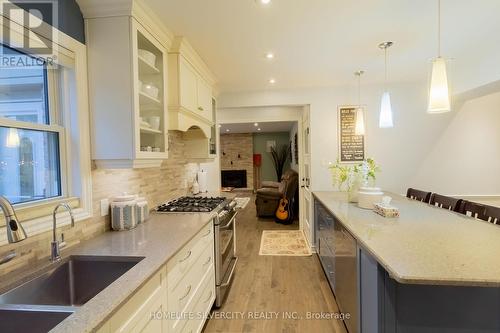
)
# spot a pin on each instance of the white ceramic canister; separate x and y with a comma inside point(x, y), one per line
point(368, 196)
point(124, 212)
point(142, 210)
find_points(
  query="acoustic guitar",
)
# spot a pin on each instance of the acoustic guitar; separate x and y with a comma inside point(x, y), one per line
point(284, 213)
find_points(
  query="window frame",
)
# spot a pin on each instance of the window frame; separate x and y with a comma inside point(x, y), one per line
point(70, 119)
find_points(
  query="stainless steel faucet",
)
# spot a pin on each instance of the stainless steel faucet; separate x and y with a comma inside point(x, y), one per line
point(15, 231)
point(55, 246)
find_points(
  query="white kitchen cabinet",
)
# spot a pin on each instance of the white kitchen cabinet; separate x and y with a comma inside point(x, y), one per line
point(191, 283)
point(183, 288)
point(136, 315)
point(204, 99)
point(190, 90)
point(129, 120)
point(187, 85)
point(197, 144)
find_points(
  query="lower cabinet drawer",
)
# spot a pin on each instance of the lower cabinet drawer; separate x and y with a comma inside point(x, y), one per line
point(202, 304)
point(181, 300)
point(136, 315)
point(182, 262)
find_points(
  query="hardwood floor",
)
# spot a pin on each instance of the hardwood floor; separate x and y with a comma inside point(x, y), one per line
point(267, 289)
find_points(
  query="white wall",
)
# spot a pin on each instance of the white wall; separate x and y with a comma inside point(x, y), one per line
point(465, 159)
point(258, 114)
point(399, 151)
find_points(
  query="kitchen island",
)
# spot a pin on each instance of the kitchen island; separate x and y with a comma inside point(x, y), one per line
point(430, 270)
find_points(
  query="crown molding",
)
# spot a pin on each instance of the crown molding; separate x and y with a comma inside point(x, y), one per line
point(105, 8)
point(92, 9)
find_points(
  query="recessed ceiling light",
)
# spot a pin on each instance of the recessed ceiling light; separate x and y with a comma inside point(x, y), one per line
point(256, 124)
point(258, 129)
point(272, 81)
point(227, 129)
point(265, 2)
point(270, 55)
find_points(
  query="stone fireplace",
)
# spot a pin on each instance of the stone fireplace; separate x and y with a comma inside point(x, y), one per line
point(236, 157)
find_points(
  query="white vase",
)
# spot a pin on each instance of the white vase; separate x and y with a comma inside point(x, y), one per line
point(352, 193)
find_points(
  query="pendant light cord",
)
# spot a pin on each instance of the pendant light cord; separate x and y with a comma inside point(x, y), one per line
point(385, 80)
point(359, 89)
point(439, 28)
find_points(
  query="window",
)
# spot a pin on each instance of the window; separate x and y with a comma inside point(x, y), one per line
point(30, 135)
point(44, 119)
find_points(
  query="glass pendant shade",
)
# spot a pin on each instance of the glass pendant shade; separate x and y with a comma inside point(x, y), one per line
point(439, 94)
point(12, 138)
point(385, 119)
point(360, 122)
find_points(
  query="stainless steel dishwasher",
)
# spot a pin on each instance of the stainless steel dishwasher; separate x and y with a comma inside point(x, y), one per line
point(346, 276)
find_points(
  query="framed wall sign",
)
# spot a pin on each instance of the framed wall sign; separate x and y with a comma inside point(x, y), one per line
point(351, 146)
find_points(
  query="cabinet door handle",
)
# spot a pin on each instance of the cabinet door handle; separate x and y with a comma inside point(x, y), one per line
point(209, 297)
point(187, 293)
point(208, 261)
point(186, 257)
point(208, 232)
point(200, 108)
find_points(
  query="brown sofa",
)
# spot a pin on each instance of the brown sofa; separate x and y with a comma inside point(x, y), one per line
point(269, 195)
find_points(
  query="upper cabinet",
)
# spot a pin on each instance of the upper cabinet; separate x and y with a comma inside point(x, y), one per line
point(190, 90)
point(128, 93)
point(143, 81)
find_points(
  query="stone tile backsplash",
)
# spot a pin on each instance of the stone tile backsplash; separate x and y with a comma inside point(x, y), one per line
point(171, 180)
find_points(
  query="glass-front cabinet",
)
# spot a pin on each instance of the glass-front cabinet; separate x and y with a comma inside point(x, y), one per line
point(151, 101)
point(128, 93)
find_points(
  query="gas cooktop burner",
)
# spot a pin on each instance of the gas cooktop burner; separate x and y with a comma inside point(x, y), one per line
point(191, 205)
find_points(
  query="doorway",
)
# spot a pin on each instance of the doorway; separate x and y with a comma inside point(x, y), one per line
point(235, 123)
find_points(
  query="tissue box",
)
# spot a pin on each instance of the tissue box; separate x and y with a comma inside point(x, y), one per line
point(386, 210)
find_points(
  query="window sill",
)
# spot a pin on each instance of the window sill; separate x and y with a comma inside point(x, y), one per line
point(41, 224)
point(31, 210)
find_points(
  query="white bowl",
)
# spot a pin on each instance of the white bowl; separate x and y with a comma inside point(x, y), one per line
point(150, 89)
point(148, 56)
point(368, 196)
point(154, 122)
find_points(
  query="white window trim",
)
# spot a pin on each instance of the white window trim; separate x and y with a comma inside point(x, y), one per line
point(79, 177)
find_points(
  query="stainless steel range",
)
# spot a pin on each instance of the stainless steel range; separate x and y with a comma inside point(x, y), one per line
point(224, 233)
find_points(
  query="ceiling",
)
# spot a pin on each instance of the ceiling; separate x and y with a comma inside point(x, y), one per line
point(267, 127)
point(322, 42)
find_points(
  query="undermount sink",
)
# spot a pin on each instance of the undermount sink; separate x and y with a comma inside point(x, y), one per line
point(52, 296)
point(30, 321)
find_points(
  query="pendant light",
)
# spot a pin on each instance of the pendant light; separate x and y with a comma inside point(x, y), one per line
point(360, 117)
point(12, 138)
point(385, 119)
point(439, 93)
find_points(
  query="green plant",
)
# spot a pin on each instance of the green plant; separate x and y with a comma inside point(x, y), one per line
point(345, 176)
point(280, 155)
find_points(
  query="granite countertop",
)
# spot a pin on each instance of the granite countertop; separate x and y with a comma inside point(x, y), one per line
point(157, 240)
point(426, 244)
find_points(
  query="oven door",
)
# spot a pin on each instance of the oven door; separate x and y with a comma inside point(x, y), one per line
point(224, 247)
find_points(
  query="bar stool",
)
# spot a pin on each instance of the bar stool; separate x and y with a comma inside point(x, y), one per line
point(445, 202)
point(418, 195)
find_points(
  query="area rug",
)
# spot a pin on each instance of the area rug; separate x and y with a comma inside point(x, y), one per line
point(241, 202)
point(283, 243)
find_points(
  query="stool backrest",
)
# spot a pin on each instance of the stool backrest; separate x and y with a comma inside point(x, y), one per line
point(474, 209)
point(445, 202)
point(418, 195)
